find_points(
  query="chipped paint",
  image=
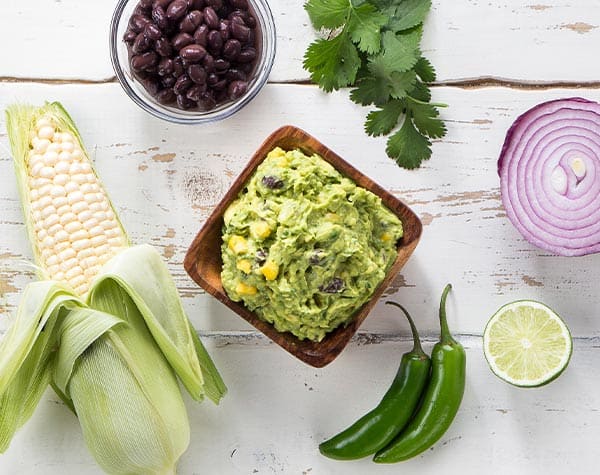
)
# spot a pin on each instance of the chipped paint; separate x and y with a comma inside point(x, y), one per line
point(539, 7)
point(169, 251)
point(170, 233)
point(396, 284)
point(142, 167)
point(579, 27)
point(164, 157)
point(530, 281)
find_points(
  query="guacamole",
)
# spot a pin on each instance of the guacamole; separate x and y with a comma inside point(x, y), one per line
point(303, 246)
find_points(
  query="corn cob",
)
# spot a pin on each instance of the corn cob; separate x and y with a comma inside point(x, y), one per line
point(111, 309)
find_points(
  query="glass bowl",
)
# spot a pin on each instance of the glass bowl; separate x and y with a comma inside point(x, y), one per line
point(266, 44)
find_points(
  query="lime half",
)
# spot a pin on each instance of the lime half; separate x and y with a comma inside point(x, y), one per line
point(527, 344)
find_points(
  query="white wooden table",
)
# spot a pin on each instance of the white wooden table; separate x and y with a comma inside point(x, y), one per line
point(494, 60)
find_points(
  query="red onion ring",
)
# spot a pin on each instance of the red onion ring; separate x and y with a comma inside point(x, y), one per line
point(549, 171)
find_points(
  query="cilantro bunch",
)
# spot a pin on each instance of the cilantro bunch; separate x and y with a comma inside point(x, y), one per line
point(373, 46)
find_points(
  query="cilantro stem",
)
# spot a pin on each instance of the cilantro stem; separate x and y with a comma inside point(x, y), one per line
point(434, 104)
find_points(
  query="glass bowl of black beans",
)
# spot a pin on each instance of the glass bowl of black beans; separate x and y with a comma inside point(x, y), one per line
point(192, 61)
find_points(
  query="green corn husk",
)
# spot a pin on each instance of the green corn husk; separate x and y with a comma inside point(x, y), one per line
point(113, 354)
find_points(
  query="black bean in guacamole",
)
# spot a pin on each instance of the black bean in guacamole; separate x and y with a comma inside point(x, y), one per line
point(304, 247)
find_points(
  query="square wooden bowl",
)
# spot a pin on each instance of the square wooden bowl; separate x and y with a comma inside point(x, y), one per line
point(203, 259)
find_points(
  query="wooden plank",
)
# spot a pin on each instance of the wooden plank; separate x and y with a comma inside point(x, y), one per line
point(165, 180)
point(278, 410)
point(552, 40)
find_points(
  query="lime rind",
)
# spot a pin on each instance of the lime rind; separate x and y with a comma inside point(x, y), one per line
point(527, 344)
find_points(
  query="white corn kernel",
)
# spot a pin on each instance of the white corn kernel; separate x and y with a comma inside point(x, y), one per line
point(79, 178)
point(51, 220)
point(43, 122)
point(35, 207)
point(41, 235)
point(85, 253)
point(96, 231)
point(53, 147)
point(78, 281)
point(75, 168)
point(46, 132)
point(77, 154)
point(68, 264)
point(81, 244)
point(103, 249)
point(47, 172)
point(52, 270)
point(53, 230)
point(61, 179)
point(89, 223)
point(33, 195)
point(98, 239)
point(92, 271)
point(85, 215)
point(59, 202)
point(35, 158)
point(62, 236)
point(62, 167)
point(67, 147)
point(115, 242)
point(82, 288)
point(47, 211)
point(73, 272)
point(65, 157)
point(58, 191)
point(75, 197)
point(89, 262)
point(108, 224)
point(67, 218)
point(86, 188)
point(46, 253)
point(77, 235)
point(61, 246)
point(50, 158)
point(86, 168)
point(64, 209)
point(91, 178)
point(73, 226)
point(48, 241)
point(60, 276)
point(67, 137)
point(45, 201)
point(97, 206)
point(71, 187)
point(91, 198)
point(67, 254)
point(36, 169)
point(100, 216)
point(52, 260)
point(40, 145)
point(79, 207)
point(45, 189)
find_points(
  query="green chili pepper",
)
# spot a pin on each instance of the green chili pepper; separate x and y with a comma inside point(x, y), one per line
point(440, 401)
point(377, 428)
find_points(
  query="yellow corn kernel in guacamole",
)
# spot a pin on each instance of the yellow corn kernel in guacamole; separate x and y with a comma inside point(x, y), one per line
point(244, 265)
point(244, 289)
point(238, 244)
point(270, 270)
point(318, 244)
point(260, 230)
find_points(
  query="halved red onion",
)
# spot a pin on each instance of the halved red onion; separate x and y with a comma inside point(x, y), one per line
point(549, 171)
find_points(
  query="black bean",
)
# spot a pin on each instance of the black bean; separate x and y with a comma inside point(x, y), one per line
point(194, 92)
point(191, 21)
point(232, 49)
point(271, 182)
point(178, 68)
point(160, 17)
point(247, 68)
point(261, 256)
point(165, 67)
point(251, 41)
point(207, 101)
point(215, 42)
point(197, 74)
point(193, 53)
point(224, 30)
point(146, 4)
point(137, 22)
point(209, 63)
point(236, 16)
point(247, 55)
point(129, 36)
point(317, 257)
point(215, 4)
point(163, 47)
point(241, 4)
point(166, 96)
point(196, 4)
point(152, 32)
point(240, 32)
point(161, 3)
point(182, 39)
point(184, 103)
point(221, 85)
point(168, 81)
point(151, 86)
point(212, 79)
point(182, 84)
point(211, 18)
point(142, 43)
point(236, 75)
point(335, 286)
point(221, 66)
point(176, 10)
point(144, 61)
point(201, 35)
point(237, 89)
point(221, 96)
point(251, 22)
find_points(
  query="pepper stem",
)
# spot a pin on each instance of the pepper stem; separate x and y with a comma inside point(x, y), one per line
point(445, 336)
point(417, 348)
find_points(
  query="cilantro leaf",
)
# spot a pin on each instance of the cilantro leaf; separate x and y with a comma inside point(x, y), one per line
point(408, 13)
point(420, 92)
point(408, 147)
point(332, 63)
point(425, 70)
point(365, 27)
point(370, 90)
point(425, 118)
point(400, 52)
point(384, 120)
point(328, 13)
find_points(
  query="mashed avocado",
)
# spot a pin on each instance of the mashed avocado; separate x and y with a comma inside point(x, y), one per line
point(303, 246)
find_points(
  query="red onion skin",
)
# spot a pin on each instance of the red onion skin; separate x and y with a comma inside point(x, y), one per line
point(533, 209)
